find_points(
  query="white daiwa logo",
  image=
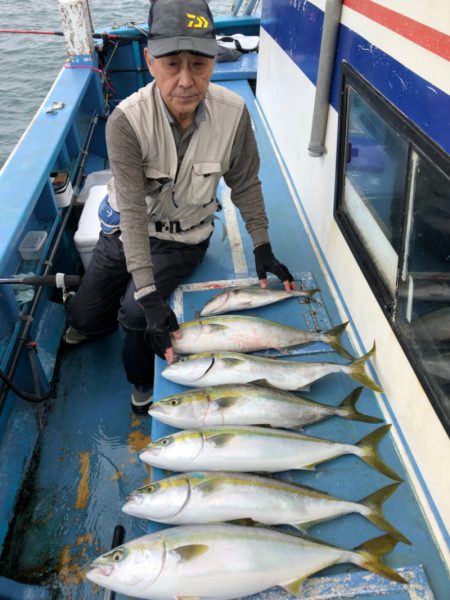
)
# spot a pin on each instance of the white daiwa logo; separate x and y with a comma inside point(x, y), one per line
point(197, 22)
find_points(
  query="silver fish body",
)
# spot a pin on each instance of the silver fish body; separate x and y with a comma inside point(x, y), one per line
point(432, 327)
point(437, 365)
point(255, 449)
point(236, 333)
point(429, 290)
point(208, 497)
point(219, 368)
point(249, 405)
point(245, 298)
point(223, 562)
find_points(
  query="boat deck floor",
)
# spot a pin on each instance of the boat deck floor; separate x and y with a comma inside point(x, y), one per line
point(88, 460)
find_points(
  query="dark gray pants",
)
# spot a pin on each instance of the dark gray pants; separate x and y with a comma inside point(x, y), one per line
point(106, 295)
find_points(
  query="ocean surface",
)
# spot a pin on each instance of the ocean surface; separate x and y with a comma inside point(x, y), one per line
point(30, 63)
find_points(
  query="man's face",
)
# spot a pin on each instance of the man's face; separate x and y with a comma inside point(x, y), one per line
point(183, 81)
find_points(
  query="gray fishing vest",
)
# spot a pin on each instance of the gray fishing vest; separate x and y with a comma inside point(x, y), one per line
point(181, 207)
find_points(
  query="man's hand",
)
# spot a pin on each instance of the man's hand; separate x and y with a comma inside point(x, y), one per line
point(161, 320)
point(266, 261)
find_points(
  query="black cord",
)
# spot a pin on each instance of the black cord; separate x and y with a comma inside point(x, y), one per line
point(34, 368)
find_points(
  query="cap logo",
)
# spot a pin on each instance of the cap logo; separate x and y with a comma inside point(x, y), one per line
point(197, 22)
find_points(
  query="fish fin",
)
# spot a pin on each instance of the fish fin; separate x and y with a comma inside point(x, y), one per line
point(301, 528)
point(218, 326)
point(190, 551)
point(368, 445)
point(368, 556)
point(220, 439)
point(310, 293)
point(231, 362)
point(311, 467)
point(333, 338)
point(374, 502)
point(284, 351)
point(248, 522)
point(348, 409)
point(207, 486)
point(225, 401)
point(356, 369)
point(294, 587)
point(263, 382)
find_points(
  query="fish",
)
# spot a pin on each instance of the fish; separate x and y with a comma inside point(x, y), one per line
point(225, 561)
point(432, 327)
point(245, 298)
point(218, 368)
point(237, 333)
point(256, 449)
point(437, 365)
point(248, 404)
point(208, 497)
point(429, 290)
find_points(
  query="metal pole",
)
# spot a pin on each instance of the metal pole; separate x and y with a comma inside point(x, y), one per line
point(77, 27)
point(331, 21)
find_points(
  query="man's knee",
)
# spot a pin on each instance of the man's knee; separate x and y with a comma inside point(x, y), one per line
point(131, 315)
point(91, 322)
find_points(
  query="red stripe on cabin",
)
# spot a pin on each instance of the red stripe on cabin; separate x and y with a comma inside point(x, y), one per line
point(433, 40)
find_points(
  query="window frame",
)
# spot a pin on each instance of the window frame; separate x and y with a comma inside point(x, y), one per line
point(426, 149)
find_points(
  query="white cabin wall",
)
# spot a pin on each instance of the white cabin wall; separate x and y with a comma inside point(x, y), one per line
point(418, 432)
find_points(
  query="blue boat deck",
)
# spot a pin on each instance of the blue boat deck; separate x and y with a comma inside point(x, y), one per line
point(88, 454)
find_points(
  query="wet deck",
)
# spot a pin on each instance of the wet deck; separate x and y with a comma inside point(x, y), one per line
point(88, 455)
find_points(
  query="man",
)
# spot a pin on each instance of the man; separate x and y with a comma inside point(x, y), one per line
point(168, 146)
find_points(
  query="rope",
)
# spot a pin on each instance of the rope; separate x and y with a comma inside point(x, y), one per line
point(109, 36)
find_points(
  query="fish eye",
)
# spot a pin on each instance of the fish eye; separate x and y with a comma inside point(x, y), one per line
point(174, 402)
point(151, 489)
point(117, 555)
point(165, 441)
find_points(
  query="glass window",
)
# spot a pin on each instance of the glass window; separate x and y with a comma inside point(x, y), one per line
point(374, 185)
point(393, 205)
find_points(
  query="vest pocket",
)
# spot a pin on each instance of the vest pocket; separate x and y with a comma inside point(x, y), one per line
point(205, 176)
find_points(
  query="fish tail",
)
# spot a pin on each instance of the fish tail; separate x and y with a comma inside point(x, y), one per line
point(310, 293)
point(374, 503)
point(370, 455)
point(369, 556)
point(356, 370)
point(348, 410)
point(333, 338)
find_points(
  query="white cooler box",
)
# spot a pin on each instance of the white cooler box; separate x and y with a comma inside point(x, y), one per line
point(87, 234)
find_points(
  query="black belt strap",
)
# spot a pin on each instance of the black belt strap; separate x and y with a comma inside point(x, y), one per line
point(168, 226)
point(173, 226)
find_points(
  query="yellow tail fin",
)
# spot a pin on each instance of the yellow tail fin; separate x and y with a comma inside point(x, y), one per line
point(369, 555)
point(356, 369)
point(370, 455)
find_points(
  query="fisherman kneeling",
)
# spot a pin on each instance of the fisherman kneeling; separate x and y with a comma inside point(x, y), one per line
point(168, 145)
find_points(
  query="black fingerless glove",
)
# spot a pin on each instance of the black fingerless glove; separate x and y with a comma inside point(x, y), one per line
point(266, 261)
point(160, 320)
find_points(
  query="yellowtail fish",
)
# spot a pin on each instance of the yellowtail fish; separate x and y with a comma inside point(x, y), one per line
point(432, 327)
point(437, 365)
point(224, 561)
point(218, 368)
point(245, 298)
point(207, 497)
point(236, 333)
point(256, 449)
point(250, 405)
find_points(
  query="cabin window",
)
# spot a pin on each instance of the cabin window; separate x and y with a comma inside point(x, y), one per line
point(393, 206)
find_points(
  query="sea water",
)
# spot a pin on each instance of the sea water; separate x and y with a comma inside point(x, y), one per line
point(29, 63)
